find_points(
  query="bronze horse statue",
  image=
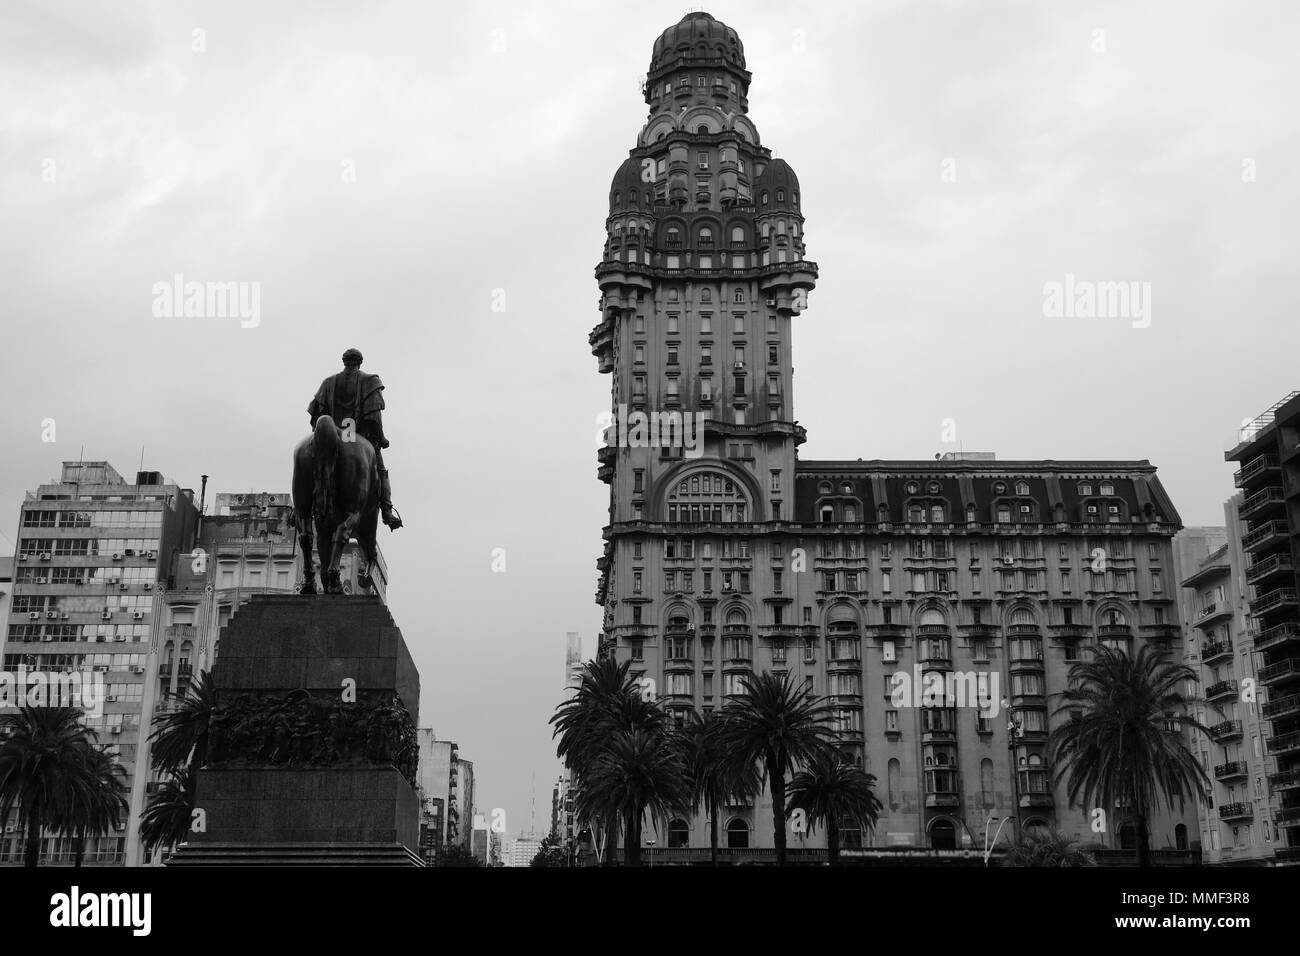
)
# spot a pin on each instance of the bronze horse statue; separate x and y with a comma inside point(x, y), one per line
point(336, 496)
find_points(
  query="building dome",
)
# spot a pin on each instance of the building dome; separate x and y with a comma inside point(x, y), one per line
point(696, 38)
point(627, 191)
point(777, 188)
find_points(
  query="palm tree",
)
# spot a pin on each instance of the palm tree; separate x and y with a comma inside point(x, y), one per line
point(166, 821)
point(832, 791)
point(1040, 846)
point(635, 772)
point(100, 800)
point(607, 700)
point(180, 737)
point(715, 775)
point(777, 725)
point(1126, 745)
point(45, 762)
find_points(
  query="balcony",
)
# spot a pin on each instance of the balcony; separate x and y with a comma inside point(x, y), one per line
point(1235, 811)
point(1262, 501)
point(1037, 801)
point(1275, 566)
point(1282, 707)
point(1283, 670)
point(1225, 730)
point(1286, 780)
point(1273, 600)
point(1211, 613)
point(1221, 689)
point(1232, 770)
point(1254, 469)
point(1115, 630)
point(1215, 650)
point(1288, 814)
point(1285, 744)
point(1266, 535)
point(1276, 636)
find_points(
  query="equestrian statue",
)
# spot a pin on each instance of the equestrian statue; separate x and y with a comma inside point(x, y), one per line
point(340, 484)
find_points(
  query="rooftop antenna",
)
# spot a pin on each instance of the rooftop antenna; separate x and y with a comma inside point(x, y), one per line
point(141, 468)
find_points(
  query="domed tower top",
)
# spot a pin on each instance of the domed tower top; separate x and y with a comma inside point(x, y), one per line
point(777, 189)
point(697, 38)
point(628, 191)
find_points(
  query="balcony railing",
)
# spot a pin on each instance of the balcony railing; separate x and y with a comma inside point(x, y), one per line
point(1223, 688)
point(1286, 743)
point(1253, 468)
point(1273, 599)
point(1225, 730)
point(1258, 536)
point(1285, 780)
point(1271, 495)
point(1282, 670)
point(1275, 564)
point(1277, 635)
point(1214, 650)
point(1282, 707)
point(1230, 770)
point(1235, 811)
point(1210, 612)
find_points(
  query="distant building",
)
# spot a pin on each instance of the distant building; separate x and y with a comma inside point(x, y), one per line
point(465, 803)
point(524, 848)
point(85, 599)
point(1268, 510)
point(480, 841)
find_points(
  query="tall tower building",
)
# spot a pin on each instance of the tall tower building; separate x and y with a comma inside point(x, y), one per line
point(86, 601)
point(725, 555)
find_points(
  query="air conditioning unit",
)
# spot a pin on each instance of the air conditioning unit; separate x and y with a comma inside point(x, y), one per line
point(124, 586)
point(10, 827)
point(116, 729)
point(47, 638)
point(112, 580)
point(100, 668)
point(1008, 559)
point(138, 615)
point(152, 555)
point(137, 669)
point(117, 555)
point(106, 615)
point(21, 557)
point(34, 616)
point(45, 555)
point(63, 616)
point(147, 586)
point(52, 615)
point(119, 638)
point(740, 365)
point(111, 699)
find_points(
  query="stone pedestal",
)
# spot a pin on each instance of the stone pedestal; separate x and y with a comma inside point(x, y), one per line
point(302, 770)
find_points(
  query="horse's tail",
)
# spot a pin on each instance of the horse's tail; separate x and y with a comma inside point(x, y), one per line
point(325, 452)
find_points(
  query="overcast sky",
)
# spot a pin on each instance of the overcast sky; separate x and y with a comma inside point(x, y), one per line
point(382, 170)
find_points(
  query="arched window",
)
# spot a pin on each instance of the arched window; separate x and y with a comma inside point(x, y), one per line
point(1022, 488)
point(932, 616)
point(846, 488)
point(1085, 488)
point(736, 616)
point(1107, 489)
point(916, 514)
point(737, 835)
point(1180, 836)
point(937, 513)
point(706, 236)
point(706, 498)
point(894, 778)
point(766, 229)
point(738, 295)
point(780, 227)
point(679, 833)
point(762, 199)
point(1114, 616)
point(1127, 837)
point(824, 488)
point(706, 295)
point(1022, 615)
point(737, 234)
point(674, 236)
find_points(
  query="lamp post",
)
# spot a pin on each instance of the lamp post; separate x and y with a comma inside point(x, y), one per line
point(651, 845)
point(988, 847)
point(1015, 731)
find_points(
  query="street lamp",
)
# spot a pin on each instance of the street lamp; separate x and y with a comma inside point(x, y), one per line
point(988, 847)
point(651, 845)
point(1015, 731)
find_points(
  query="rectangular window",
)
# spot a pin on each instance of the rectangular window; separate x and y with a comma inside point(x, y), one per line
point(884, 583)
point(672, 322)
point(1065, 582)
point(636, 582)
point(885, 550)
point(1157, 582)
point(975, 581)
point(776, 581)
point(706, 323)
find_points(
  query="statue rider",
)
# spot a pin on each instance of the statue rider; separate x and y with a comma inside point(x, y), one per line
point(359, 396)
